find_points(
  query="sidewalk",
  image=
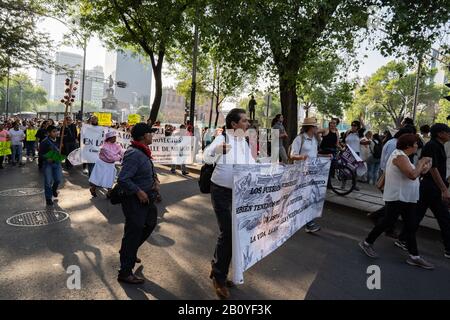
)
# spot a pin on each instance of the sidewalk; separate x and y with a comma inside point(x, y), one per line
point(368, 199)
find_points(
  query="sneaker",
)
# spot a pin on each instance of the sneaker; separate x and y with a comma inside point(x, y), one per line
point(401, 245)
point(49, 202)
point(173, 171)
point(368, 249)
point(221, 289)
point(447, 254)
point(419, 262)
point(312, 227)
point(185, 173)
point(55, 193)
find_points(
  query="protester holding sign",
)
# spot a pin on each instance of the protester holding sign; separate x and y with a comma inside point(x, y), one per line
point(305, 146)
point(218, 152)
point(52, 168)
point(5, 145)
point(104, 171)
point(93, 121)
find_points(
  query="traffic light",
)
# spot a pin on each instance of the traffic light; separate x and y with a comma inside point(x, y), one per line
point(121, 84)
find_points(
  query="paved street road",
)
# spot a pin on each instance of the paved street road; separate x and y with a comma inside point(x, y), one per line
point(329, 265)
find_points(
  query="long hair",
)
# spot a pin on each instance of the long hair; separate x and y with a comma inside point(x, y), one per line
point(276, 119)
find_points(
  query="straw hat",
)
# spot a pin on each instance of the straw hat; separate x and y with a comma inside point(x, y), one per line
point(311, 121)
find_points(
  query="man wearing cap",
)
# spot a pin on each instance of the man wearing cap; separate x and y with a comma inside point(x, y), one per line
point(140, 183)
point(434, 192)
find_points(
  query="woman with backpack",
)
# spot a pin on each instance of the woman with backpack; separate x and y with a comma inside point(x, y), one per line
point(373, 161)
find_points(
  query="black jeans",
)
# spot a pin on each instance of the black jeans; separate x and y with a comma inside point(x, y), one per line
point(430, 197)
point(221, 199)
point(140, 221)
point(408, 213)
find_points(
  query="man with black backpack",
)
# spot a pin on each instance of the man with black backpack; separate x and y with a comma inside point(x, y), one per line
point(373, 161)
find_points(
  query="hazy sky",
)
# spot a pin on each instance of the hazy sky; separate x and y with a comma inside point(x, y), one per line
point(96, 53)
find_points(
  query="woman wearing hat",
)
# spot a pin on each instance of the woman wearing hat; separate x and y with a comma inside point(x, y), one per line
point(104, 171)
point(305, 146)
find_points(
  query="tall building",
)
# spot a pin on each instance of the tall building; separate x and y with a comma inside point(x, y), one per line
point(94, 87)
point(71, 61)
point(123, 66)
point(172, 106)
point(44, 79)
point(439, 78)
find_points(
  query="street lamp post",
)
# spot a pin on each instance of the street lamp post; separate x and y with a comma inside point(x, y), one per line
point(83, 77)
point(7, 93)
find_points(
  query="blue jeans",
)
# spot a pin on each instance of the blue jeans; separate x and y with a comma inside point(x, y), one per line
point(16, 153)
point(372, 170)
point(52, 178)
point(31, 148)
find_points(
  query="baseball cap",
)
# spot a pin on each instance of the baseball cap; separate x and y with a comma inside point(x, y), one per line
point(140, 129)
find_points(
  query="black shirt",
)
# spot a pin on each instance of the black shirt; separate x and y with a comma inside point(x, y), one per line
point(436, 151)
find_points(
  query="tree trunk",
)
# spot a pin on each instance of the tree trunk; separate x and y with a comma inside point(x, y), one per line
point(289, 106)
point(157, 72)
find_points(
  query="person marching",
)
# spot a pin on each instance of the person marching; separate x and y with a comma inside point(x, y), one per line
point(52, 169)
point(305, 146)
point(218, 152)
point(104, 171)
point(140, 183)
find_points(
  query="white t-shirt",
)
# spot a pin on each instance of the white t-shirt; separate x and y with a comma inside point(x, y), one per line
point(239, 153)
point(354, 141)
point(397, 186)
point(309, 147)
point(16, 136)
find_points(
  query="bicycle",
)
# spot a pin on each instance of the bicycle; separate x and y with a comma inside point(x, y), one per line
point(342, 178)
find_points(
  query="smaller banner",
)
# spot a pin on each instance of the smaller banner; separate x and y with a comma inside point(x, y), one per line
point(133, 119)
point(5, 148)
point(104, 119)
point(31, 134)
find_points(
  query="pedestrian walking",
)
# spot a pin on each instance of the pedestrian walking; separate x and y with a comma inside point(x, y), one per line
point(140, 183)
point(218, 153)
point(104, 172)
point(305, 146)
point(17, 137)
point(401, 194)
point(434, 193)
point(277, 124)
point(52, 169)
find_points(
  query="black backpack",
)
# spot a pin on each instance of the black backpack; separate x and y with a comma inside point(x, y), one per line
point(206, 172)
point(377, 149)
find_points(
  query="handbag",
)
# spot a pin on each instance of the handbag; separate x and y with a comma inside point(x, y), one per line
point(117, 194)
point(380, 182)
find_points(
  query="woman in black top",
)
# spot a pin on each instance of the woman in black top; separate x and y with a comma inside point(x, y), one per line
point(330, 138)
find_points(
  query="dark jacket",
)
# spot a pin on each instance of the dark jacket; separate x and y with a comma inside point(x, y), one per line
point(70, 134)
point(137, 172)
point(47, 145)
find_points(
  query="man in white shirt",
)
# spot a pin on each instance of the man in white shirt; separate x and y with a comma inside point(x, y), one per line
point(17, 136)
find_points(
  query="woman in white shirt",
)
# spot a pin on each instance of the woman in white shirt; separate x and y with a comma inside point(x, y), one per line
point(304, 146)
point(353, 137)
point(227, 149)
point(401, 194)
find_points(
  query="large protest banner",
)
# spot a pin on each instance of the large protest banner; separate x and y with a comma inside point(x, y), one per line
point(174, 149)
point(271, 203)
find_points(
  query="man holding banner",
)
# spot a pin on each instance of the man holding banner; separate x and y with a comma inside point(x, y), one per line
point(218, 153)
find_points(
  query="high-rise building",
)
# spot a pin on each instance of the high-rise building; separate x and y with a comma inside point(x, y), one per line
point(123, 66)
point(44, 79)
point(94, 86)
point(71, 61)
